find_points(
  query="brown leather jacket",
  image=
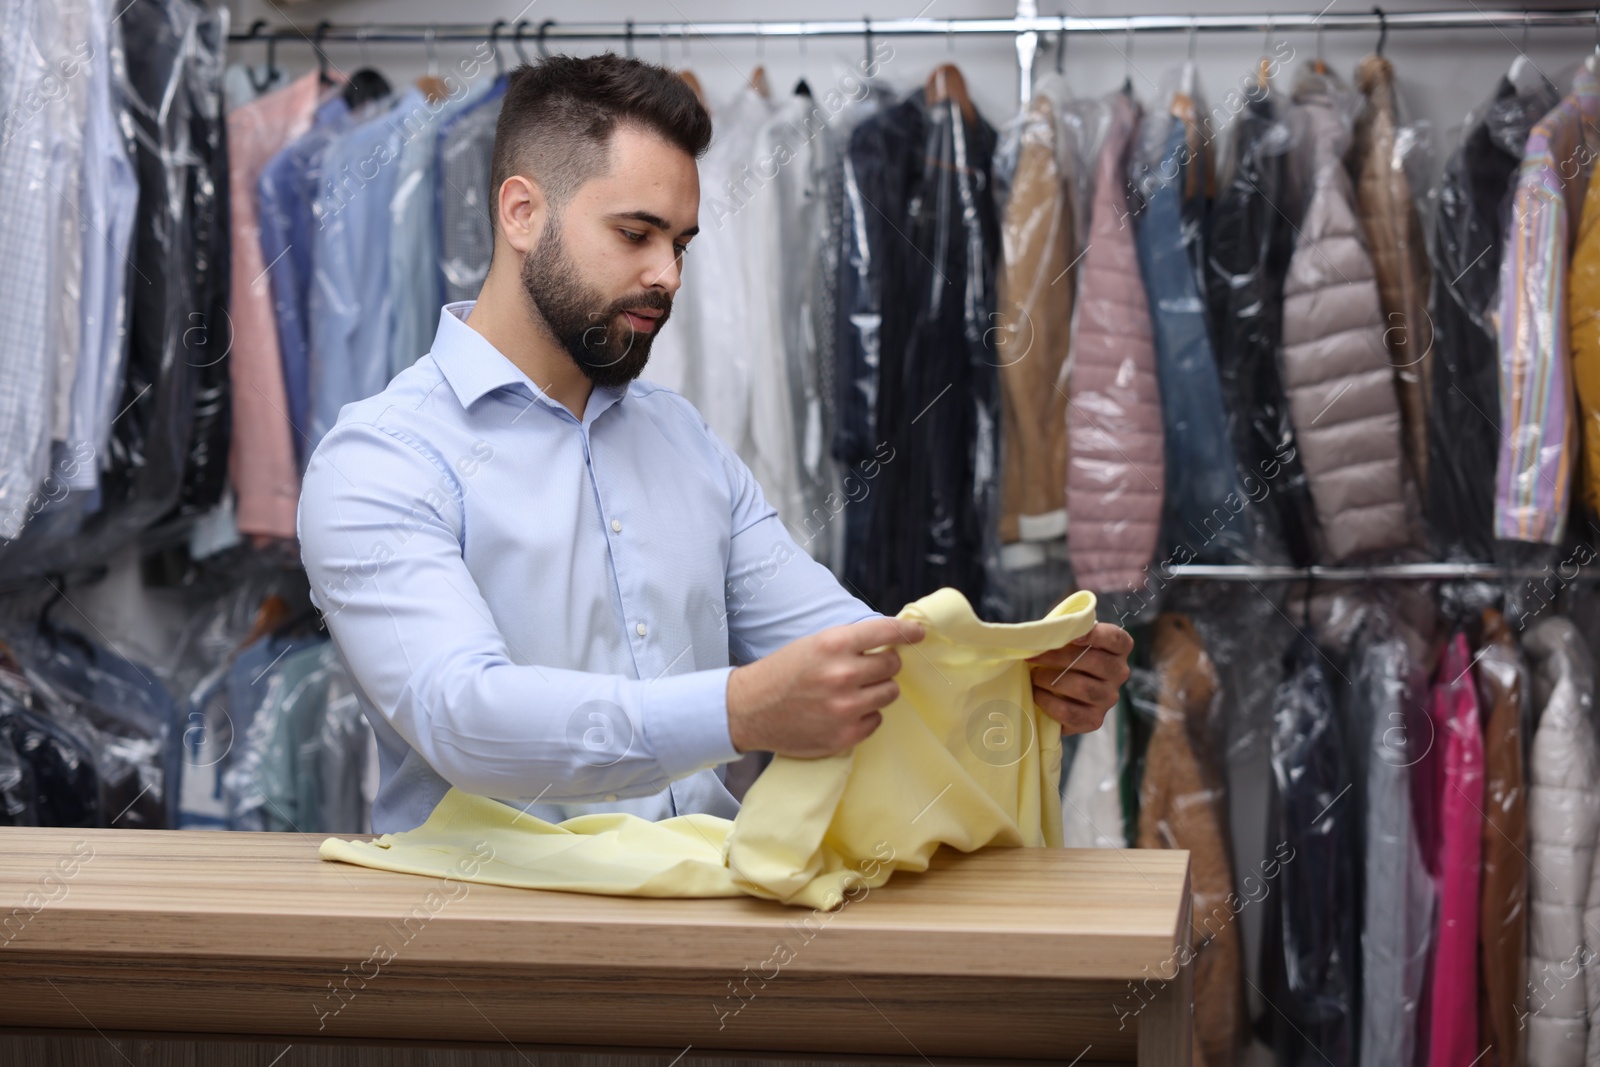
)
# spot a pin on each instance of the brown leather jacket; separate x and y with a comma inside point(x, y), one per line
point(1503, 908)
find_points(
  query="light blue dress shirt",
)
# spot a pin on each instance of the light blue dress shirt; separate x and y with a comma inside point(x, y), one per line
point(544, 609)
point(349, 300)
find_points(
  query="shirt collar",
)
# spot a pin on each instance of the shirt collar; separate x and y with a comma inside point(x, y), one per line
point(475, 368)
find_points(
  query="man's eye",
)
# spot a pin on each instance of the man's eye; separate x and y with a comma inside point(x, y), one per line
point(682, 250)
point(632, 235)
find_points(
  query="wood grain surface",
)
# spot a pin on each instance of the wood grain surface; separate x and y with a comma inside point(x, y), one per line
point(1005, 953)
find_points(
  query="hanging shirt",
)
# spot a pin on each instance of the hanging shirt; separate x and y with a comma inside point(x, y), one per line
point(349, 297)
point(963, 757)
point(109, 198)
point(1537, 435)
point(28, 228)
point(287, 190)
point(263, 462)
point(415, 291)
point(545, 608)
point(464, 204)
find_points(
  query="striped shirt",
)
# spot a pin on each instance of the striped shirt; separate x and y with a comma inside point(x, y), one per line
point(1538, 437)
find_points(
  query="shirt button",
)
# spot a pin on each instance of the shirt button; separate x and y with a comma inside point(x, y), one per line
point(642, 628)
point(616, 526)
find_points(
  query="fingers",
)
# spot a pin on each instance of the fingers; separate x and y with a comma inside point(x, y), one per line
point(1090, 661)
point(877, 633)
point(1071, 685)
point(1109, 636)
point(1074, 716)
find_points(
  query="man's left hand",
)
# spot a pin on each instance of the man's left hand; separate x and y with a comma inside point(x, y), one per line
point(1077, 683)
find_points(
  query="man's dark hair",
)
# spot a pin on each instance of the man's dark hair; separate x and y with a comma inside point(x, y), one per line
point(558, 116)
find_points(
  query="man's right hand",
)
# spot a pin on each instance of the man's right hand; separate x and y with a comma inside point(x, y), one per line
point(820, 695)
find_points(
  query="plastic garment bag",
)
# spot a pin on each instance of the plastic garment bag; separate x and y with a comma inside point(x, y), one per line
point(304, 751)
point(1038, 245)
point(1114, 434)
point(168, 45)
point(19, 804)
point(1583, 285)
point(466, 237)
point(60, 759)
point(1387, 696)
point(1464, 408)
point(1537, 433)
point(1453, 1003)
point(206, 337)
point(1091, 792)
point(1563, 819)
point(1183, 805)
point(1247, 256)
point(1379, 156)
point(1309, 960)
point(1503, 911)
point(1204, 501)
point(1335, 366)
point(131, 716)
point(927, 455)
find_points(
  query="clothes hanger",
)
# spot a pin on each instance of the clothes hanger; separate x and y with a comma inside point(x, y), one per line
point(1127, 62)
point(272, 57)
point(758, 76)
point(1061, 46)
point(1317, 64)
point(544, 27)
point(322, 56)
point(1383, 28)
point(688, 75)
point(494, 46)
point(1264, 68)
point(627, 37)
point(802, 87)
point(945, 83)
point(516, 40)
point(432, 86)
point(366, 84)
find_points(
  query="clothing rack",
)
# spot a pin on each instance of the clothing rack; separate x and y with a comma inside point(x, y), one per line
point(1025, 26)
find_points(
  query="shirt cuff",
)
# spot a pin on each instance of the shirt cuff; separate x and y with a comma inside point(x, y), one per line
point(685, 721)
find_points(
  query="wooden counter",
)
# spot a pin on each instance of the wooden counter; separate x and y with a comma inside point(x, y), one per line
point(251, 942)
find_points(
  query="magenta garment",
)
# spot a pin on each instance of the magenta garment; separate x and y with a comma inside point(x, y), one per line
point(1453, 1022)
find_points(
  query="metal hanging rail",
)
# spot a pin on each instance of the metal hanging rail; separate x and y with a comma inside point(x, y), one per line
point(553, 30)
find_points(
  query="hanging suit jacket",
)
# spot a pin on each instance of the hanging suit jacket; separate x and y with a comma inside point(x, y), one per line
point(1399, 254)
point(1247, 257)
point(1036, 287)
point(1537, 433)
point(1182, 805)
point(1503, 907)
point(1114, 434)
point(1335, 365)
point(1453, 1006)
point(1464, 410)
point(968, 767)
point(1204, 499)
point(1309, 946)
point(1563, 818)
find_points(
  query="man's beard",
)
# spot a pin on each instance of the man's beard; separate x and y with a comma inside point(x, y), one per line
point(600, 340)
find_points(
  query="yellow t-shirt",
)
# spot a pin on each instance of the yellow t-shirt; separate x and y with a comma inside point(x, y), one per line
point(963, 758)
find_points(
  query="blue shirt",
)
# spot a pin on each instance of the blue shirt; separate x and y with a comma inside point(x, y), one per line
point(286, 191)
point(349, 299)
point(541, 608)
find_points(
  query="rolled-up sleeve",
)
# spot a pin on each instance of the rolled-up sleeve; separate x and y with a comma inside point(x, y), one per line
point(382, 545)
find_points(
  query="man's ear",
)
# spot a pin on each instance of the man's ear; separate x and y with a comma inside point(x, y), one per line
point(522, 209)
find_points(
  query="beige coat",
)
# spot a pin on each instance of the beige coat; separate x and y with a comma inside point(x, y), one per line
point(1335, 364)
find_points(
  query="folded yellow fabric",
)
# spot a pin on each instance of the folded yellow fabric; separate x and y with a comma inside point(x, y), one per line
point(963, 758)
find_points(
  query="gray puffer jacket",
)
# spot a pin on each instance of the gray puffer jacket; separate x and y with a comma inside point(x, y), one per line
point(1336, 367)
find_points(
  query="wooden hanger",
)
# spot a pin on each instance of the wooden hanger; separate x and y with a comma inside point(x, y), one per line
point(273, 613)
point(946, 83)
point(694, 83)
point(758, 82)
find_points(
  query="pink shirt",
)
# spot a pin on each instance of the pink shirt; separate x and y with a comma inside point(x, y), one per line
point(261, 461)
